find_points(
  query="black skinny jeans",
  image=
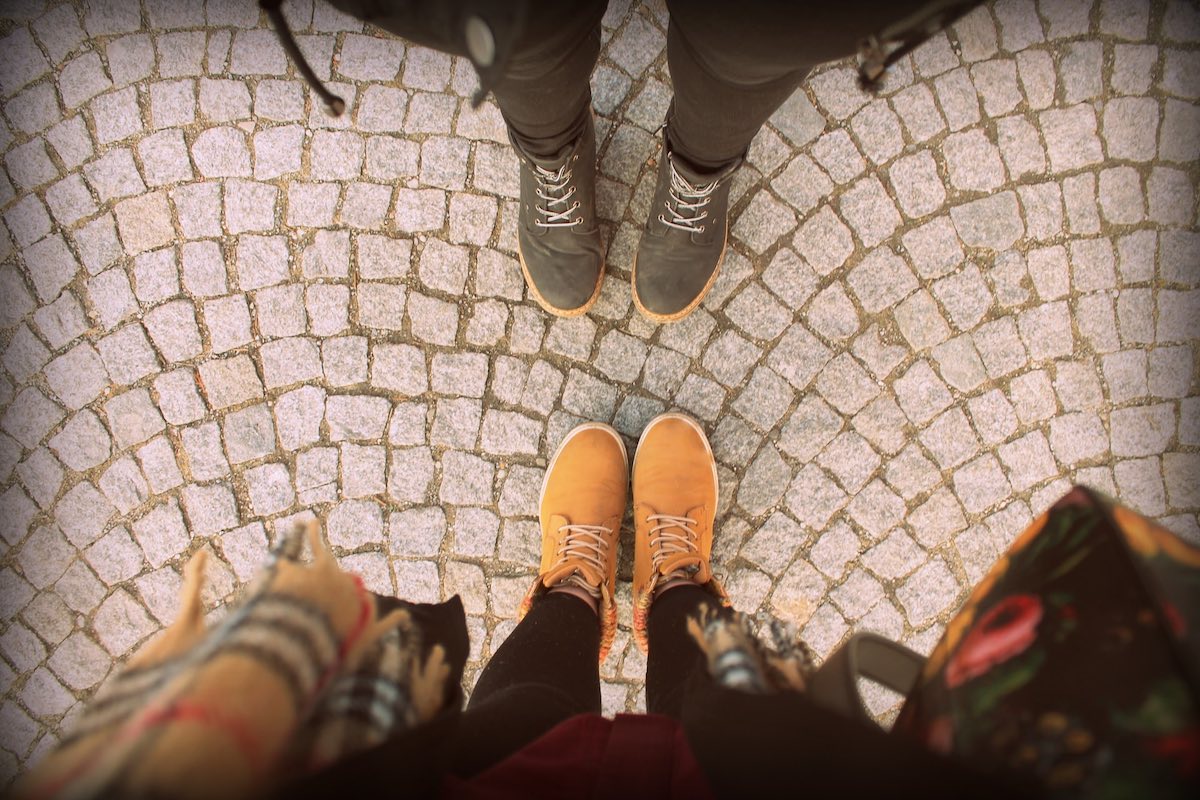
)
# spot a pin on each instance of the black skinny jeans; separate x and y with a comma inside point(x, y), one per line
point(547, 671)
point(732, 66)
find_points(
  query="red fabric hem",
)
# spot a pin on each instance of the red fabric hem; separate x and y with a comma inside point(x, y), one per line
point(588, 756)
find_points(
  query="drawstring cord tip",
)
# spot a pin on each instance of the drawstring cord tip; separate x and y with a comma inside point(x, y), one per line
point(335, 105)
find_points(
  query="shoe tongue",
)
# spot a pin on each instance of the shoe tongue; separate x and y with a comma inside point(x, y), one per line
point(698, 178)
point(554, 162)
point(694, 178)
point(589, 573)
point(558, 574)
point(690, 563)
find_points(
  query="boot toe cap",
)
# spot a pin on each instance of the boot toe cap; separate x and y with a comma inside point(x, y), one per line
point(667, 287)
point(562, 282)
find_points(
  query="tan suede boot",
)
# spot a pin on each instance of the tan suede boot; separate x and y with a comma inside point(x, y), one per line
point(583, 501)
point(674, 507)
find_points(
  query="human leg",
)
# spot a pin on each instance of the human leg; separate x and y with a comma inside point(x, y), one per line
point(548, 668)
point(544, 673)
point(546, 100)
point(545, 97)
point(730, 72)
point(674, 507)
point(546, 49)
point(674, 662)
point(545, 94)
point(712, 119)
point(546, 53)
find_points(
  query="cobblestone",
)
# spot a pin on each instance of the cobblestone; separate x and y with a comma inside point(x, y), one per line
point(230, 381)
point(824, 241)
point(249, 434)
point(929, 591)
point(939, 305)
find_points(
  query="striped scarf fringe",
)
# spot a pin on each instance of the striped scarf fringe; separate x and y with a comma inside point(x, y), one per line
point(301, 673)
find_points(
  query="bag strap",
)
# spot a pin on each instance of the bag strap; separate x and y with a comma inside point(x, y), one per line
point(335, 105)
point(865, 655)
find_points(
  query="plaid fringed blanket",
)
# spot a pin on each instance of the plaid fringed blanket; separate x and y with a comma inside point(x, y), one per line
point(303, 673)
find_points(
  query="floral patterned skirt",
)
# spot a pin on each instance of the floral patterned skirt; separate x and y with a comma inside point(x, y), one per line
point(1075, 660)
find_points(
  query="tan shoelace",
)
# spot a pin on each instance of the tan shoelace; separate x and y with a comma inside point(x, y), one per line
point(683, 196)
point(584, 543)
point(665, 543)
point(558, 191)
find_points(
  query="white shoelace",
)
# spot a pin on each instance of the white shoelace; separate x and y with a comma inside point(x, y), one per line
point(586, 543)
point(557, 191)
point(684, 197)
point(665, 542)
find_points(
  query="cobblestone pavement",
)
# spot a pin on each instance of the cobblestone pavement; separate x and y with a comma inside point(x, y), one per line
point(223, 309)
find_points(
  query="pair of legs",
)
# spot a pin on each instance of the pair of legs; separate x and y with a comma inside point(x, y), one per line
point(732, 66)
point(731, 69)
point(548, 668)
point(547, 671)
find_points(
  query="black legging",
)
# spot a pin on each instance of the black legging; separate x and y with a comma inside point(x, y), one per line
point(547, 671)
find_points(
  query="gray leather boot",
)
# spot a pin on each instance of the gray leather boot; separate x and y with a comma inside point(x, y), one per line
point(558, 238)
point(684, 239)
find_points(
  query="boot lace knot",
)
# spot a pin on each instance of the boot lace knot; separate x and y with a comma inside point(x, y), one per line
point(586, 546)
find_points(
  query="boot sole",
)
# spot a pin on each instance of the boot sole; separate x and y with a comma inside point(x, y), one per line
point(692, 306)
point(586, 426)
point(712, 461)
point(555, 310)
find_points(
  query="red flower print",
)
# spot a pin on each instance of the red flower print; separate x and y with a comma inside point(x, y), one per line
point(1181, 747)
point(1003, 632)
point(940, 735)
point(1174, 619)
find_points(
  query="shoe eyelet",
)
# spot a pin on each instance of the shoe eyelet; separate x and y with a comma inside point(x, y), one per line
point(701, 229)
point(662, 219)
